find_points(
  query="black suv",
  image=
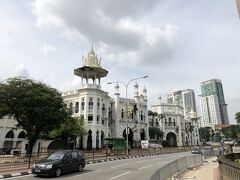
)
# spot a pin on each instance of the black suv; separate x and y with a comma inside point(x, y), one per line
point(60, 162)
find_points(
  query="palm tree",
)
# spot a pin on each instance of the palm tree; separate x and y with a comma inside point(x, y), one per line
point(237, 117)
point(153, 115)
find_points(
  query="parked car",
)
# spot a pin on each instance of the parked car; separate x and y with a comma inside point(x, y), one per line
point(196, 150)
point(207, 150)
point(236, 147)
point(60, 162)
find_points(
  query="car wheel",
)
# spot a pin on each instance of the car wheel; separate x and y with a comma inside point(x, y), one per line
point(80, 168)
point(58, 172)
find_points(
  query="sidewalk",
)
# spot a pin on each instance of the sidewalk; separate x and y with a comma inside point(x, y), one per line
point(209, 171)
point(13, 172)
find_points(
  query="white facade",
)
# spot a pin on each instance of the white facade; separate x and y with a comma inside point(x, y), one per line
point(175, 122)
point(171, 122)
point(210, 111)
point(184, 98)
point(10, 137)
point(105, 116)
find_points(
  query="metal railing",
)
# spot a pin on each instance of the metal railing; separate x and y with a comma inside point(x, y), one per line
point(19, 160)
point(176, 167)
point(228, 169)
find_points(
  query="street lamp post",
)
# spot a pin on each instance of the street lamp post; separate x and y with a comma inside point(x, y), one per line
point(126, 93)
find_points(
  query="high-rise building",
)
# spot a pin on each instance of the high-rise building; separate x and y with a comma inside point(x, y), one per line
point(212, 103)
point(184, 98)
point(238, 6)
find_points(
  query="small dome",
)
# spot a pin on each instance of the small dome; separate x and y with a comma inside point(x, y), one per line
point(91, 60)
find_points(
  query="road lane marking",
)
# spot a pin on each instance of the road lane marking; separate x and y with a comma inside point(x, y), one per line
point(120, 175)
point(141, 161)
point(120, 165)
point(144, 167)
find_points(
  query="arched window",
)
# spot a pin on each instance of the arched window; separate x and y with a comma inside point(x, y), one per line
point(122, 114)
point(10, 134)
point(169, 121)
point(76, 107)
point(71, 106)
point(103, 107)
point(98, 104)
point(83, 104)
point(90, 104)
point(141, 115)
point(21, 134)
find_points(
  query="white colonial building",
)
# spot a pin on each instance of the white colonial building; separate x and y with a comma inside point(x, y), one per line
point(105, 116)
point(179, 129)
point(10, 136)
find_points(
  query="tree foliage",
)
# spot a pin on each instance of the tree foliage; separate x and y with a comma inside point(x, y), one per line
point(153, 115)
point(72, 128)
point(37, 107)
point(155, 133)
point(205, 133)
point(232, 131)
point(237, 117)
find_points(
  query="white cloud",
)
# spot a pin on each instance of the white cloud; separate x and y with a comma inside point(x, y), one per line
point(49, 49)
point(117, 24)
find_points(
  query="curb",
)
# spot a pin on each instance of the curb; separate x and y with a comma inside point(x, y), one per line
point(210, 161)
point(89, 162)
point(15, 174)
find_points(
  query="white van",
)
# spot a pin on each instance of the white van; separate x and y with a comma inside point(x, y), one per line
point(151, 143)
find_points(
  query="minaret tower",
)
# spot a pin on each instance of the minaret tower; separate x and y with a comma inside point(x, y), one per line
point(117, 108)
point(91, 70)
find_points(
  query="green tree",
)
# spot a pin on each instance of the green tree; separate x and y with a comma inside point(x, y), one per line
point(205, 133)
point(231, 131)
point(153, 115)
point(237, 117)
point(155, 133)
point(72, 128)
point(37, 107)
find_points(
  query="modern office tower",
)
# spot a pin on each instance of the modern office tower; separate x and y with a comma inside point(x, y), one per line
point(184, 98)
point(212, 103)
point(238, 6)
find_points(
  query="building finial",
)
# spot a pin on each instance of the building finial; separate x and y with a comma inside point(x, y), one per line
point(92, 46)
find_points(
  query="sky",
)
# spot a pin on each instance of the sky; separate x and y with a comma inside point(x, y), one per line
point(178, 44)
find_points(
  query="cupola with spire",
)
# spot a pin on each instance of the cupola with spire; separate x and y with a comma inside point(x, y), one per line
point(136, 90)
point(91, 68)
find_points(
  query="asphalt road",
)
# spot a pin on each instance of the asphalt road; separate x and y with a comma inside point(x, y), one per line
point(127, 169)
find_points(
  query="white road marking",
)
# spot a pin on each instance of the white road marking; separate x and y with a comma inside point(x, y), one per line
point(120, 175)
point(120, 165)
point(144, 167)
point(141, 161)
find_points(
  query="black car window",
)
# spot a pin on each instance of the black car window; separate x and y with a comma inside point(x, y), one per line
point(68, 155)
point(80, 153)
point(55, 156)
point(74, 155)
